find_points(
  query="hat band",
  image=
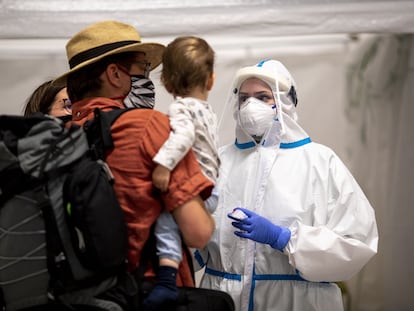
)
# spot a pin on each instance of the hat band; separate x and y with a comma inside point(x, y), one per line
point(97, 51)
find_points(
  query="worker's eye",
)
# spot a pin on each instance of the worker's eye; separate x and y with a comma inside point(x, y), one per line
point(264, 98)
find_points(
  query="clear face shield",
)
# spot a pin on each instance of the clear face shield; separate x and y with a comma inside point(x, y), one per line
point(278, 80)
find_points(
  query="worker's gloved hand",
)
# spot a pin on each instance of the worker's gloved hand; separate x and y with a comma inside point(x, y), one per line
point(260, 229)
point(165, 293)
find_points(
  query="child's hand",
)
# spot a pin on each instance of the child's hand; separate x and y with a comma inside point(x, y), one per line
point(161, 177)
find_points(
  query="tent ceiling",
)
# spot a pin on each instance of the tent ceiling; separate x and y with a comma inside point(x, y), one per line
point(32, 19)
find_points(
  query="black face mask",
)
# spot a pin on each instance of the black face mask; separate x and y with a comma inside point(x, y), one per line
point(142, 94)
point(65, 118)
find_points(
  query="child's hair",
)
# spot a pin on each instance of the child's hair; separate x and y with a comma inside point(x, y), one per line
point(188, 62)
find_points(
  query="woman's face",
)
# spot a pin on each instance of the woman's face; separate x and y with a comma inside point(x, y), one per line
point(61, 106)
point(254, 87)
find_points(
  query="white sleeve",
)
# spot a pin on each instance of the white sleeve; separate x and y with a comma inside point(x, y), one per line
point(338, 249)
point(181, 138)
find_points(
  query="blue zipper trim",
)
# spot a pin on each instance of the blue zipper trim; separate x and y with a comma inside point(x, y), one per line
point(256, 277)
point(252, 288)
point(225, 275)
point(278, 277)
point(247, 145)
point(199, 259)
point(296, 143)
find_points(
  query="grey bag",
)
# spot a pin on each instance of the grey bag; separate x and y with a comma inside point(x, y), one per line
point(40, 244)
point(24, 275)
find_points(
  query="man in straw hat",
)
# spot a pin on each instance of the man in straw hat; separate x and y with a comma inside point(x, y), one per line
point(102, 58)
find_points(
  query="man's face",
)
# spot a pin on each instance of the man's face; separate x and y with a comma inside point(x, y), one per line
point(138, 66)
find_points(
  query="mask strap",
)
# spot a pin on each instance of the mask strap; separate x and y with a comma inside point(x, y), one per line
point(123, 69)
point(118, 97)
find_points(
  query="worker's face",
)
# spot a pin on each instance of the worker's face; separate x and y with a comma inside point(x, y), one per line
point(257, 108)
point(61, 105)
point(254, 87)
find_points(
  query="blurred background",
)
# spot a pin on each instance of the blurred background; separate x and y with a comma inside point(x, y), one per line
point(352, 60)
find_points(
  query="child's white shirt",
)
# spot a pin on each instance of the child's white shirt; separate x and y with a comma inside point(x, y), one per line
point(193, 125)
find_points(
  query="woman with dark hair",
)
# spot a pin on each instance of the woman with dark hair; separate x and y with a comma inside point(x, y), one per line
point(49, 98)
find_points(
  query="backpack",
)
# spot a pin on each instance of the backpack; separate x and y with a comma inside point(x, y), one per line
point(63, 238)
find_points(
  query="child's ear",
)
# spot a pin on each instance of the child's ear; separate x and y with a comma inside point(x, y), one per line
point(210, 81)
point(167, 86)
point(169, 89)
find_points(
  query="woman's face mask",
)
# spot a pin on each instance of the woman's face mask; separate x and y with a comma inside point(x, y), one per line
point(142, 94)
point(256, 116)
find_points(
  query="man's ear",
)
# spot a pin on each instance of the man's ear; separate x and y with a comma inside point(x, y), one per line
point(210, 81)
point(113, 75)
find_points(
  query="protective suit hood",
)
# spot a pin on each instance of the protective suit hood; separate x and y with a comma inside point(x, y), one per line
point(283, 86)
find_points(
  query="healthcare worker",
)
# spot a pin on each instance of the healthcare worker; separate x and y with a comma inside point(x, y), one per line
point(291, 219)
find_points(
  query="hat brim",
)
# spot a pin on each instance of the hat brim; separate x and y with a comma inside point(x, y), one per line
point(153, 51)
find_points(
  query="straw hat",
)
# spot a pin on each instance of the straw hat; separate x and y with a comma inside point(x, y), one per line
point(107, 38)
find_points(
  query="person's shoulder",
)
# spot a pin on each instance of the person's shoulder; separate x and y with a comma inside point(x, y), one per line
point(320, 147)
point(142, 121)
point(145, 114)
point(324, 153)
point(225, 149)
point(316, 149)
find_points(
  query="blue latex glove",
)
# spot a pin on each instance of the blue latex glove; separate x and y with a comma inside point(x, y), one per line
point(260, 229)
point(165, 293)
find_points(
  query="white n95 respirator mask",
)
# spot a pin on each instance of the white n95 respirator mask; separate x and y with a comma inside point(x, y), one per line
point(256, 116)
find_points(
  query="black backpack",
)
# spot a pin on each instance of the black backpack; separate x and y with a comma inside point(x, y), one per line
point(63, 237)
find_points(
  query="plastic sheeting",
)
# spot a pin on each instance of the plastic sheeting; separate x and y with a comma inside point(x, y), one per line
point(380, 151)
point(355, 89)
point(234, 19)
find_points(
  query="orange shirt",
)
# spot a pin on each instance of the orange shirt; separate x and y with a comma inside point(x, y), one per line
point(137, 136)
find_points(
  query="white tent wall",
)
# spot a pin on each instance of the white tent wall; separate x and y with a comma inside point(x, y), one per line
point(353, 62)
point(379, 96)
point(379, 146)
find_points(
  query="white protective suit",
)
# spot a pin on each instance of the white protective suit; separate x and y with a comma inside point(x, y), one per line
point(294, 183)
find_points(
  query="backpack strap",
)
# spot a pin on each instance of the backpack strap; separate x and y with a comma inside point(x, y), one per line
point(107, 118)
point(98, 130)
